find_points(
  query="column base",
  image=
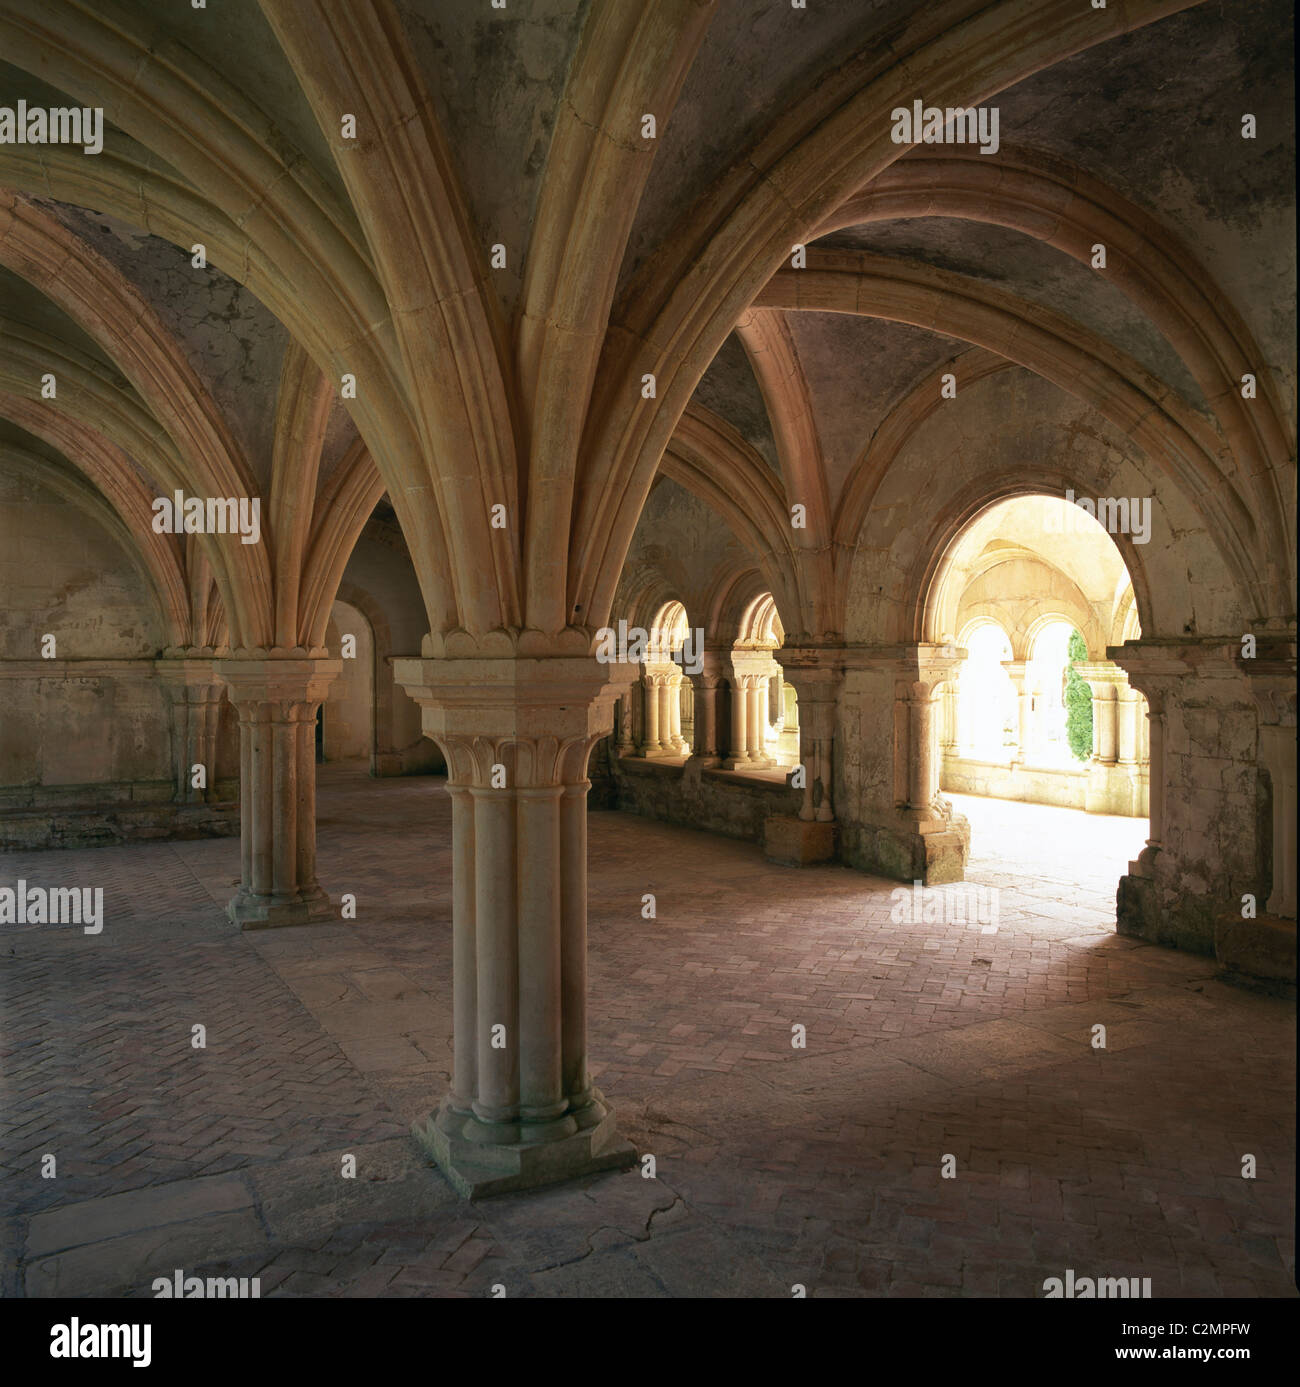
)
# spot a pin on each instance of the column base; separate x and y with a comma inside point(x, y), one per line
point(478, 1168)
point(1144, 865)
point(924, 848)
point(265, 912)
point(797, 842)
point(1262, 950)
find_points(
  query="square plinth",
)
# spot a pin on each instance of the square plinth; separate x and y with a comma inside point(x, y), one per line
point(797, 842)
point(478, 1170)
point(264, 912)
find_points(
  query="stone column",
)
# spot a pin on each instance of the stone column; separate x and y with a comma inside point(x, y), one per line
point(624, 745)
point(922, 783)
point(1105, 710)
point(1105, 680)
point(276, 700)
point(1016, 672)
point(1109, 789)
point(1129, 717)
point(671, 712)
point(756, 719)
point(817, 674)
point(686, 712)
point(517, 734)
point(948, 727)
point(922, 673)
point(878, 830)
point(650, 743)
point(738, 747)
point(774, 696)
point(197, 694)
point(1129, 767)
point(1206, 879)
point(749, 671)
point(710, 687)
point(1156, 736)
point(1273, 684)
point(1156, 672)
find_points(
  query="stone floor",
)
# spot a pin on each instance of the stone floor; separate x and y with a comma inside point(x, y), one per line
point(775, 1166)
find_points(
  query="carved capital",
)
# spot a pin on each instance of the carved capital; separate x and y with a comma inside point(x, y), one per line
point(517, 724)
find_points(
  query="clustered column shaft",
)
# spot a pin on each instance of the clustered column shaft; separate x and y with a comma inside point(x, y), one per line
point(277, 701)
point(517, 735)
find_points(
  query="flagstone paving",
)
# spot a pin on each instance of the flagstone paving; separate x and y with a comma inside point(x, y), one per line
point(965, 1048)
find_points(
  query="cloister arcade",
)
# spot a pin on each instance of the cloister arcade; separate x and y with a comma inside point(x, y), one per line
point(1023, 577)
point(748, 718)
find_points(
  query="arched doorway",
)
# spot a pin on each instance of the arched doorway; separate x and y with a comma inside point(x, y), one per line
point(986, 698)
point(1043, 745)
point(348, 713)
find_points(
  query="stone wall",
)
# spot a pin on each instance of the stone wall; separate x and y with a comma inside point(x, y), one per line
point(86, 738)
point(1214, 826)
point(87, 757)
point(1096, 788)
point(349, 710)
point(727, 802)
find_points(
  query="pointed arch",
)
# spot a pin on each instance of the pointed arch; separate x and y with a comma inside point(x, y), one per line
point(1178, 440)
point(302, 415)
point(401, 177)
point(683, 303)
point(884, 445)
point(631, 59)
point(297, 246)
point(1042, 196)
point(111, 486)
point(709, 458)
point(344, 505)
point(101, 301)
point(774, 358)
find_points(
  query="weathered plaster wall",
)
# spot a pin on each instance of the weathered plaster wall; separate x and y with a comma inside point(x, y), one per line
point(498, 80)
point(729, 389)
point(86, 737)
point(759, 57)
point(1013, 261)
point(1121, 109)
point(857, 370)
point(62, 573)
point(231, 341)
point(1217, 832)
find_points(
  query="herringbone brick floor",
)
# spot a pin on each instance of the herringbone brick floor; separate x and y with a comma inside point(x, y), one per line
point(927, 1044)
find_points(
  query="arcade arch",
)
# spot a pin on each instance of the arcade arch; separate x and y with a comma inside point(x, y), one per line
point(1028, 575)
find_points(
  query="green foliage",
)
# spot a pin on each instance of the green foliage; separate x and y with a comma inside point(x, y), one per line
point(1078, 702)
